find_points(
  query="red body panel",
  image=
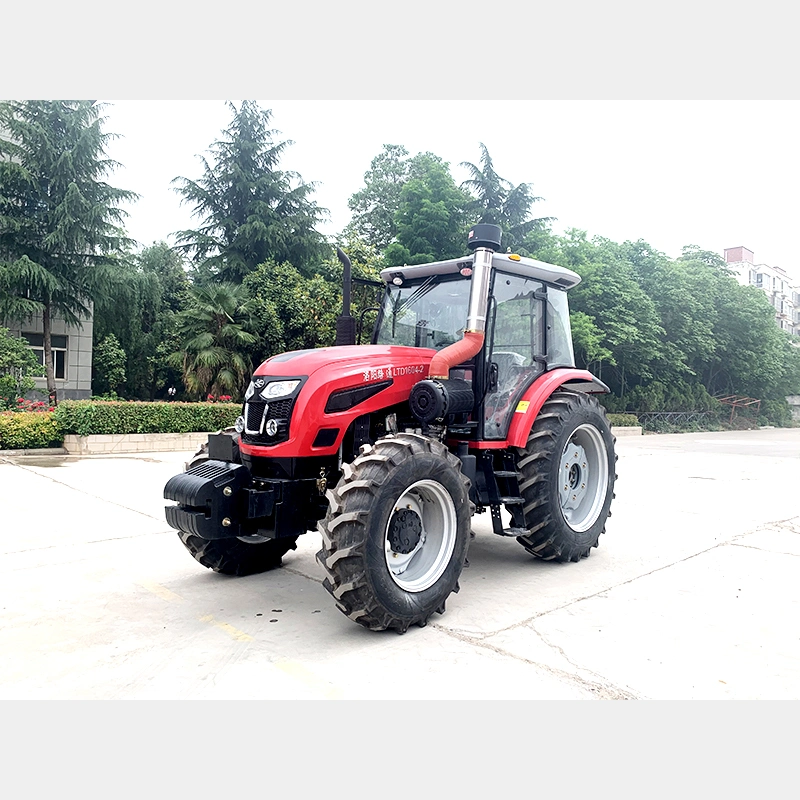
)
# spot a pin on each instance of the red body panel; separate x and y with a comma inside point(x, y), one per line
point(332, 368)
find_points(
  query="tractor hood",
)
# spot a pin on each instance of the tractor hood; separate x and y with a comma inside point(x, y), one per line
point(390, 361)
point(302, 403)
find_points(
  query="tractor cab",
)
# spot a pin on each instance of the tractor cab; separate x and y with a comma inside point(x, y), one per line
point(527, 328)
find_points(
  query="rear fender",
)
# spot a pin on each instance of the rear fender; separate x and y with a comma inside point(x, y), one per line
point(530, 404)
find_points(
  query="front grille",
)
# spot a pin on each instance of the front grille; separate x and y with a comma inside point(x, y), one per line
point(257, 413)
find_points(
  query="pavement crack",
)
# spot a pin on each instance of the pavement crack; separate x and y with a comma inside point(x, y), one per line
point(301, 574)
point(82, 544)
point(764, 549)
point(599, 678)
point(602, 690)
point(80, 491)
point(791, 523)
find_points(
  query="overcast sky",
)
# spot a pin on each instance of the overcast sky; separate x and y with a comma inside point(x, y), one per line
point(712, 173)
point(673, 124)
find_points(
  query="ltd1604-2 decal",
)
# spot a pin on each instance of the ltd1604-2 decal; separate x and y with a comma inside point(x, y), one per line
point(381, 373)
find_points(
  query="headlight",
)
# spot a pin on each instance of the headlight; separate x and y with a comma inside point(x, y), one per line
point(251, 390)
point(278, 389)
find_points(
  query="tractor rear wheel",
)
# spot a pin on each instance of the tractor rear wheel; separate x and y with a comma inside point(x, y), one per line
point(395, 538)
point(567, 474)
point(243, 555)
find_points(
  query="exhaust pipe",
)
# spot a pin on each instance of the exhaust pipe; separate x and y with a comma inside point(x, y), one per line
point(345, 323)
point(483, 240)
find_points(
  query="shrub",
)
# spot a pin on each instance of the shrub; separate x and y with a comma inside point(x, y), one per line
point(623, 420)
point(29, 429)
point(741, 423)
point(35, 406)
point(90, 417)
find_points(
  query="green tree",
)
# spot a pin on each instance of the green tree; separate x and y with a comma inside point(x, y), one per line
point(215, 340)
point(679, 292)
point(150, 288)
point(108, 361)
point(499, 202)
point(374, 207)
point(251, 210)
point(610, 294)
point(431, 219)
point(587, 341)
point(290, 310)
point(60, 225)
point(18, 365)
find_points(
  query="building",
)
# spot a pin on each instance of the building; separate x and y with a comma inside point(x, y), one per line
point(72, 354)
point(781, 289)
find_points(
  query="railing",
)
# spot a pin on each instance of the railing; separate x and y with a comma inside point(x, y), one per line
point(647, 418)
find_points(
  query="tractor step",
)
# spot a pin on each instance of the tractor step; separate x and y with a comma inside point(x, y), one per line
point(513, 532)
point(511, 501)
point(505, 473)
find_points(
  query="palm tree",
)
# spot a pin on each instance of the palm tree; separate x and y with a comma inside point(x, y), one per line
point(214, 355)
point(499, 202)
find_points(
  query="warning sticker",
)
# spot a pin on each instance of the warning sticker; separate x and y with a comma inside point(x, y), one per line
point(522, 406)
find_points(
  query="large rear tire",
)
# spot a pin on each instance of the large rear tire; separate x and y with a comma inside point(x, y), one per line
point(395, 538)
point(567, 474)
point(244, 555)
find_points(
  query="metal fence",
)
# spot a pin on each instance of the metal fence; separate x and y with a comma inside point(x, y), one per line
point(650, 419)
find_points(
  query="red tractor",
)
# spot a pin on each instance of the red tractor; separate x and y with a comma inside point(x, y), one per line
point(467, 399)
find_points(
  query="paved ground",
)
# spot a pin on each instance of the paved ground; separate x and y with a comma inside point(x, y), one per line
point(693, 593)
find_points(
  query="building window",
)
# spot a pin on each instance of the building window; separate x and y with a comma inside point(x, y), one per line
point(59, 346)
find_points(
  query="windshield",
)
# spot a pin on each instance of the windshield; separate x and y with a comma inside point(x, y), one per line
point(427, 313)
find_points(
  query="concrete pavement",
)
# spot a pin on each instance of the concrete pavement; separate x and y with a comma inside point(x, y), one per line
point(692, 594)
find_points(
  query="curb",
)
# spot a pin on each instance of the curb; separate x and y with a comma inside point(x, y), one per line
point(36, 451)
point(113, 444)
point(82, 446)
point(626, 430)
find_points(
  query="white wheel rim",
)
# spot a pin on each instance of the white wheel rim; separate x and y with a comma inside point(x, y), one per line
point(420, 568)
point(583, 478)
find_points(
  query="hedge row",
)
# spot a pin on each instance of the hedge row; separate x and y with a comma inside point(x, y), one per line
point(90, 417)
point(623, 420)
point(23, 430)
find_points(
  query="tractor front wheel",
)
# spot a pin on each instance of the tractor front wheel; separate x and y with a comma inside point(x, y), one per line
point(566, 478)
point(395, 537)
point(243, 555)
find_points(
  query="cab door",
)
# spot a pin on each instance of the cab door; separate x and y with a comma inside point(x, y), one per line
point(515, 352)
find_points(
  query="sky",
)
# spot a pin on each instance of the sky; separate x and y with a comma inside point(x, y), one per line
point(712, 173)
point(671, 124)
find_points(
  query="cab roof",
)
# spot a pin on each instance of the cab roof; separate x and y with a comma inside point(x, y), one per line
point(507, 262)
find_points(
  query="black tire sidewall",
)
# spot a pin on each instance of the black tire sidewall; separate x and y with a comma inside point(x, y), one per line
point(581, 415)
point(397, 601)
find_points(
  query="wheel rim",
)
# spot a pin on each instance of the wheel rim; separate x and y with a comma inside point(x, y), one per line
point(583, 478)
point(420, 536)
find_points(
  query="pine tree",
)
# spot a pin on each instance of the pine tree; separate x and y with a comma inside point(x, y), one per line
point(251, 210)
point(60, 225)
